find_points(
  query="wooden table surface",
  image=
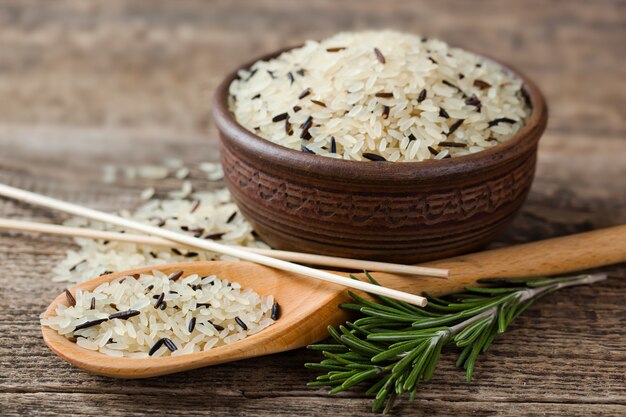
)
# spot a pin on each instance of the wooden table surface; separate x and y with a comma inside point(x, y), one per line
point(124, 81)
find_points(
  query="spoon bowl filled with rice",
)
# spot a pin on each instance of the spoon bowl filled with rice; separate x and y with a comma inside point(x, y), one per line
point(379, 145)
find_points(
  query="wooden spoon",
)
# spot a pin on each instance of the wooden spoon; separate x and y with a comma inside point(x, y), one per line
point(309, 306)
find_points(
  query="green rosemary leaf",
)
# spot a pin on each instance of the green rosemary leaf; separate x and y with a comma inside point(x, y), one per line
point(348, 306)
point(328, 347)
point(490, 290)
point(393, 346)
point(472, 332)
point(392, 353)
point(335, 335)
point(337, 375)
point(320, 367)
point(360, 345)
point(387, 315)
point(360, 377)
point(323, 383)
point(379, 307)
point(378, 385)
point(406, 361)
point(400, 305)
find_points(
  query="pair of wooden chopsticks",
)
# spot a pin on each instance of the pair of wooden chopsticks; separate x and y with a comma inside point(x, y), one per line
point(305, 258)
point(186, 240)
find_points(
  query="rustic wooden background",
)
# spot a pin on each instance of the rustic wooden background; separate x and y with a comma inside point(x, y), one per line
point(85, 83)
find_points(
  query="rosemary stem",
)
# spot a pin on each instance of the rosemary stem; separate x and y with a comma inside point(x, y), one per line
point(454, 330)
point(577, 280)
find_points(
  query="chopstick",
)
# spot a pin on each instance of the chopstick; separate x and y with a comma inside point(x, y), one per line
point(306, 258)
point(41, 200)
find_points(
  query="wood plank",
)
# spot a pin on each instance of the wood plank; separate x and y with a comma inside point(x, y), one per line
point(123, 82)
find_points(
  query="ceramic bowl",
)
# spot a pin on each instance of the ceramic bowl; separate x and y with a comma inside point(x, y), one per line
point(389, 211)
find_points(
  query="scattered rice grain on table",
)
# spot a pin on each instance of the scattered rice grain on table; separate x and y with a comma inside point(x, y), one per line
point(159, 315)
point(207, 215)
point(380, 96)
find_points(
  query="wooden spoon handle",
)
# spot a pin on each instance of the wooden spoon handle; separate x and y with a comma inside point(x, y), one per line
point(544, 258)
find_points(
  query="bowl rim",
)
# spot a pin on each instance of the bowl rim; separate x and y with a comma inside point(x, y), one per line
point(321, 166)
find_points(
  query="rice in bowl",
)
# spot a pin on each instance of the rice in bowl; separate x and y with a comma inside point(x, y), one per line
point(380, 96)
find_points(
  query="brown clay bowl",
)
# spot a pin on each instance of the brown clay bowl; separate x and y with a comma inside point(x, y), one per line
point(396, 212)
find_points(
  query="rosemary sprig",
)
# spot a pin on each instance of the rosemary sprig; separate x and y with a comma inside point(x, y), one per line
point(394, 345)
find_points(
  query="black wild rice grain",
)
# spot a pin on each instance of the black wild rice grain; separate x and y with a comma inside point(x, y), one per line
point(526, 97)
point(336, 49)
point(385, 113)
point(453, 144)
point(153, 254)
point(455, 126)
point(89, 324)
point(319, 103)
point(206, 305)
point(217, 326)
point(172, 292)
point(70, 298)
point(301, 72)
point(449, 84)
point(124, 315)
point(161, 222)
point(256, 96)
point(192, 324)
point(495, 122)
point(191, 254)
point(215, 236)
point(305, 128)
point(474, 101)
point(412, 137)
point(373, 157)
point(288, 128)
point(149, 288)
point(333, 145)
point(275, 311)
point(461, 75)
point(290, 77)
point(307, 123)
point(424, 39)
point(432, 60)
point(177, 252)
point(271, 74)
point(156, 347)
point(306, 150)
point(241, 323)
point(175, 275)
point(280, 117)
point(184, 228)
point(432, 150)
point(379, 56)
point(106, 242)
point(163, 305)
point(481, 84)
point(92, 304)
point(159, 300)
point(384, 94)
point(231, 217)
point(304, 93)
point(296, 109)
point(443, 113)
point(72, 269)
point(113, 306)
point(422, 96)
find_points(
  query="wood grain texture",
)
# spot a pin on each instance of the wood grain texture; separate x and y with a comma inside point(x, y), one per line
point(83, 83)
